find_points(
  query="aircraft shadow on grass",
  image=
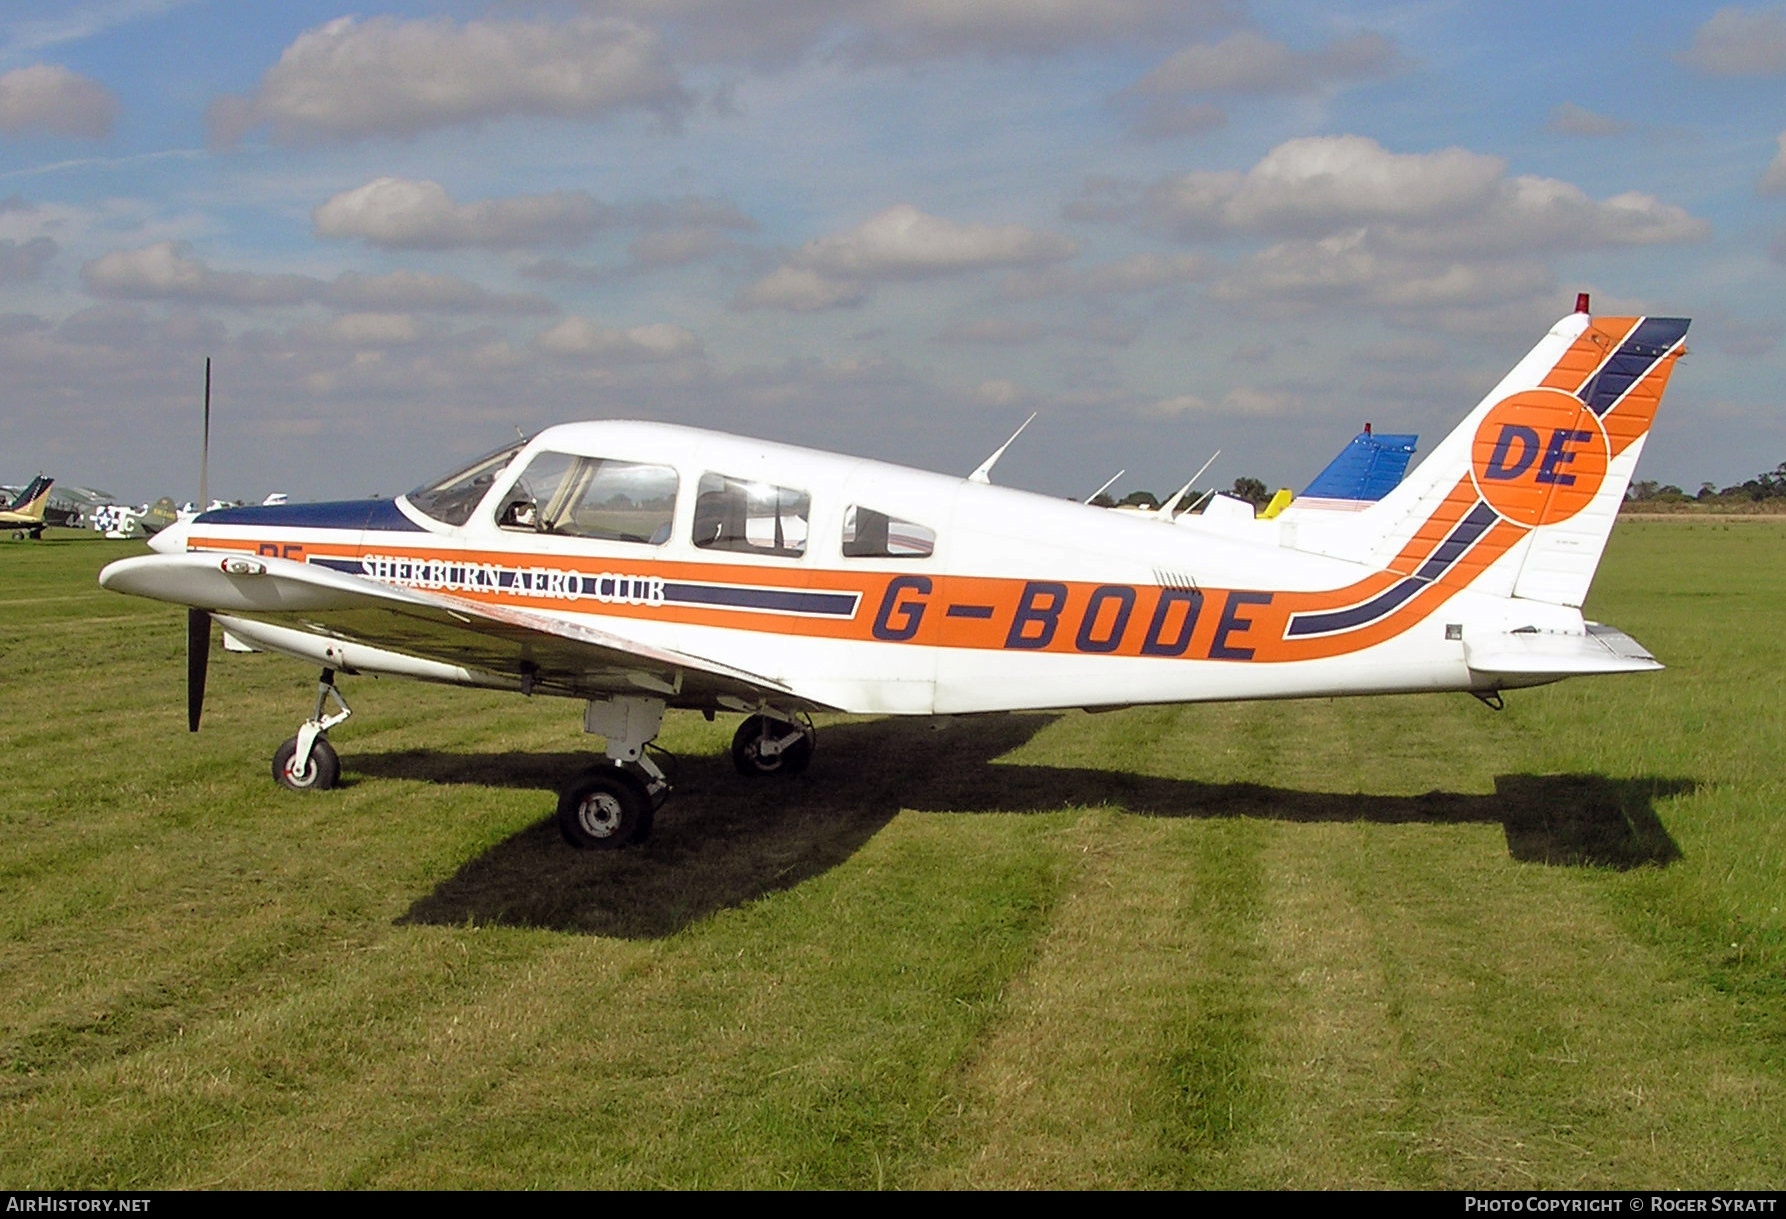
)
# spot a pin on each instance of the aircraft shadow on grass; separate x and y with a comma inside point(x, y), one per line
point(727, 840)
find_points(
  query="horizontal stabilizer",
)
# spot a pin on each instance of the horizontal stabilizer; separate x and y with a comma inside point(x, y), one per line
point(1526, 657)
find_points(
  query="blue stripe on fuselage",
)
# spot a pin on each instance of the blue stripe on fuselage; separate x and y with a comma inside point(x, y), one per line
point(452, 571)
point(1461, 538)
point(1357, 615)
point(360, 514)
point(773, 600)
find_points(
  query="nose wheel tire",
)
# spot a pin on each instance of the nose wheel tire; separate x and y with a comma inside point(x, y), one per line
point(319, 773)
point(751, 757)
point(604, 810)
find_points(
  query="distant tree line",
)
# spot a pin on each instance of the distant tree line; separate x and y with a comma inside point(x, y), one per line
point(1770, 485)
point(1252, 490)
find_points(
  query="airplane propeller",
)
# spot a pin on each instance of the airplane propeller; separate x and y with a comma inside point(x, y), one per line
point(198, 660)
point(198, 622)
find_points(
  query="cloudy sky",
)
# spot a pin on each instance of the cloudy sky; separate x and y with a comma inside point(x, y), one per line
point(887, 227)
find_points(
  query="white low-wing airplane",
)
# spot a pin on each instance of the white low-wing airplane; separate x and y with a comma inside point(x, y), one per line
point(640, 566)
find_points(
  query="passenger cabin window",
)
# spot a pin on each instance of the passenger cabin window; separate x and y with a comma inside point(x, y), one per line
point(592, 497)
point(754, 517)
point(868, 534)
point(452, 499)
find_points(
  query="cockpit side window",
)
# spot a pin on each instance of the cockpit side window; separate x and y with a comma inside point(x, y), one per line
point(868, 534)
point(753, 517)
point(592, 497)
point(452, 499)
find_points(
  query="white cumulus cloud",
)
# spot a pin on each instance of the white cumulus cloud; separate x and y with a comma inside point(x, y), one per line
point(1250, 63)
point(370, 330)
point(1318, 182)
point(404, 290)
point(1450, 201)
point(1354, 266)
point(49, 99)
point(406, 213)
point(1773, 181)
point(900, 243)
point(802, 290)
point(780, 31)
point(903, 242)
point(168, 270)
point(581, 338)
point(1405, 233)
point(1735, 41)
point(384, 76)
point(1026, 26)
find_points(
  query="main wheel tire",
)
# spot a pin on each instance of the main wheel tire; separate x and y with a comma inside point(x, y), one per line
point(318, 775)
point(747, 748)
point(604, 810)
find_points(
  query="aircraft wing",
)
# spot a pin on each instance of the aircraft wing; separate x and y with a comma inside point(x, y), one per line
point(542, 651)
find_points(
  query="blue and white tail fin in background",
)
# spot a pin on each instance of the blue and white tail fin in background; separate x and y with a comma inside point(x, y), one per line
point(1368, 468)
point(1526, 489)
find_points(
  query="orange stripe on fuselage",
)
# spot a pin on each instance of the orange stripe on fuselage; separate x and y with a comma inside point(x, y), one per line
point(1496, 541)
point(911, 605)
point(1455, 506)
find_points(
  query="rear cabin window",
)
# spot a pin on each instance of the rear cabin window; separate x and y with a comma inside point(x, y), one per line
point(752, 517)
point(868, 534)
point(453, 499)
point(592, 497)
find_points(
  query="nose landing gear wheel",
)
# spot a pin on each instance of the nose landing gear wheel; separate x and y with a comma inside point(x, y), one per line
point(604, 810)
point(319, 773)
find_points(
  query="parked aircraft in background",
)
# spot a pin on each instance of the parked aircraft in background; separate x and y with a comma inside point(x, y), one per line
point(639, 566)
point(24, 515)
point(121, 522)
point(1366, 470)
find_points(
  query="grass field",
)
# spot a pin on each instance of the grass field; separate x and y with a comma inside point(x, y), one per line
point(1391, 942)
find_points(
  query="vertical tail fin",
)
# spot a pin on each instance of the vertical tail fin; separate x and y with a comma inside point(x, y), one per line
point(31, 500)
point(1519, 499)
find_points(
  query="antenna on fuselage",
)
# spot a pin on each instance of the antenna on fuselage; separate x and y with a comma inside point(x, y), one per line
point(1106, 485)
point(984, 473)
point(1165, 510)
point(204, 453)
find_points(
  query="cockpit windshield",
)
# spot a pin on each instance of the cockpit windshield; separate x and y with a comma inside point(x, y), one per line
point(452, 499)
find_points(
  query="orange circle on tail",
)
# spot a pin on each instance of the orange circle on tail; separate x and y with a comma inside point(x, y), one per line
point(1539, 456)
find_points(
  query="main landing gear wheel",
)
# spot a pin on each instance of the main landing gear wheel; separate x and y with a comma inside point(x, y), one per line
point(319, 773)
point(603, 810)
point(765, 745)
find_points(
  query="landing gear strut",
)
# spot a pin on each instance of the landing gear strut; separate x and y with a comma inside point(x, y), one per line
point(307, 762)
point(611, 804)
